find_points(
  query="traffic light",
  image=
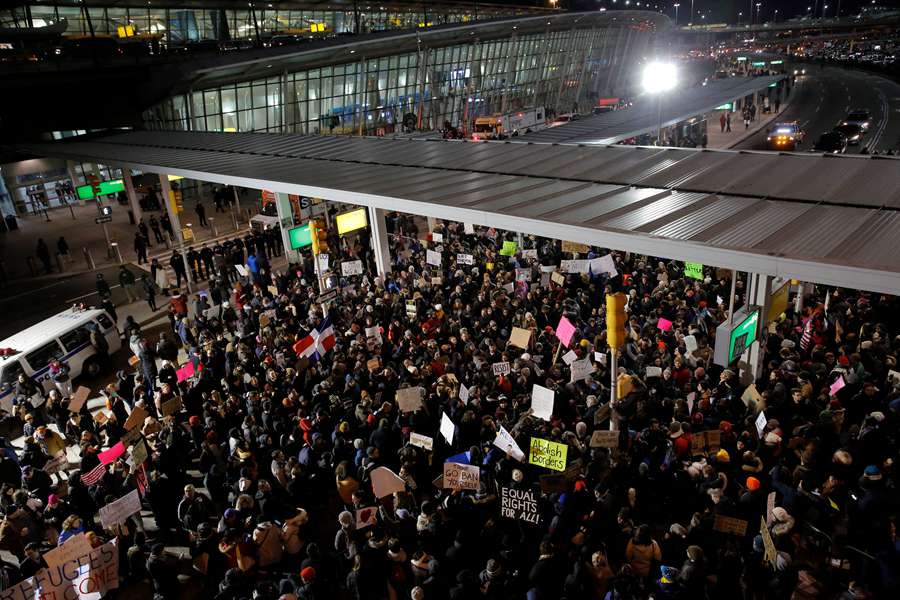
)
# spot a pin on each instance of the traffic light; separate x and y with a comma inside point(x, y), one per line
point(615, 320)
point(319, 235)
point(94, 182)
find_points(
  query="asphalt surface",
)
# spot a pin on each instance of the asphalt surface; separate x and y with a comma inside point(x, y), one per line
point(822, 97)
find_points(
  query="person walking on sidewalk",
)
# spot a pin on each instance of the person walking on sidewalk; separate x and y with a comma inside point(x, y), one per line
point(62, 246)
point(722, 120)
point(728, 122)
point(102, 287)
point(167, 225)
point(144, 230)
point(157, 232)
point(43, 254)
point(140, 247)
point(201, 213)
point(177, 264)
point(149, 292)
point(753, 112)
point(126, 280)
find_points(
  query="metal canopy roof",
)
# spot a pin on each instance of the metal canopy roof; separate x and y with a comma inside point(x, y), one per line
point(830, 220)
point(644, 116)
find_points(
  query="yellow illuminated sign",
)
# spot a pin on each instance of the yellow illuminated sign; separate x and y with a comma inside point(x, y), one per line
point(351, 221)
point(317, 27)
point(125, 31)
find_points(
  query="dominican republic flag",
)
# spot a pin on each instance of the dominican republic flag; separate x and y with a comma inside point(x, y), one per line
point(318, 342)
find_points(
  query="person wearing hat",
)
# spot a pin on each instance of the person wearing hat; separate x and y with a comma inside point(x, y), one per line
point(681, 444)
point(492, 580)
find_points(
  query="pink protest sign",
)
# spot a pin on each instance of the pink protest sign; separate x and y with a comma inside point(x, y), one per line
point(108, 456)
point(837, 386)
point(565, 331)
point(664, 324)
point(185, 372)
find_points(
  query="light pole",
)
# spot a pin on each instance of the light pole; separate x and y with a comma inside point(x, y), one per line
point(775, 18)
point(740, 14)
point(659, 78)
point(758, 7)
point(676, 12)
point(691, 20)
point(824, 10)
point(751, 13)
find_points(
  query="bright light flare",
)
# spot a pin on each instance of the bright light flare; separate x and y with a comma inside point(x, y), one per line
point(659, 77)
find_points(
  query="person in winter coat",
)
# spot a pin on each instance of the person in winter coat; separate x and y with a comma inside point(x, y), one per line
point(163, 572)
point(642, 551)
point(59, 373)
point(269, 547)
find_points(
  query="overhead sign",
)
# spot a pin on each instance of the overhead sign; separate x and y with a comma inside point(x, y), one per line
point(521, 505)
point(778, 302)
point(351, 221)
point(300, 237)
point(551, 455)
point(732, 339)
point(86, 192)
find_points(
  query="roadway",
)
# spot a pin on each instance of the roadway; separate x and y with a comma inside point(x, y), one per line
point(823, 96)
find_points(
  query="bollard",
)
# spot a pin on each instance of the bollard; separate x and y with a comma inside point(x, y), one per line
point(71, 210)
point(212, 225)
point(31, 266)
point(167, 241)
point(88, 259)
point(59, 262)
point(115, 245)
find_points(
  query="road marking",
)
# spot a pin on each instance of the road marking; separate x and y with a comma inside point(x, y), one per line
point(40, 289)
point(112, 287)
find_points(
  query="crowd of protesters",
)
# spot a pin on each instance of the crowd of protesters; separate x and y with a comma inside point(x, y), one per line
point(263, 468)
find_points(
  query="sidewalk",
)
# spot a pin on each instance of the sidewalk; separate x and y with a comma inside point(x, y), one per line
point(718, 140)
point(85, 237)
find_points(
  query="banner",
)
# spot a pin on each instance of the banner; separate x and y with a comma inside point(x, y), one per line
point(118, 511)
point(550, 455)
point(88, 576)
point(351, 267)
point(461, 477)
point(422, 441)
point(521, 505)
point(56, 464)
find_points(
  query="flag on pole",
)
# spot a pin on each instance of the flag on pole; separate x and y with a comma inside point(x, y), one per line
point(94, 477)
point(318, 342)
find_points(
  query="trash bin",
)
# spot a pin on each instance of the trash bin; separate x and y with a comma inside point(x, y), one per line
point(11, 223)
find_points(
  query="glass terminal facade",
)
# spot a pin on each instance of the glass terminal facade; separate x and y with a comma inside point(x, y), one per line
point(561, 70)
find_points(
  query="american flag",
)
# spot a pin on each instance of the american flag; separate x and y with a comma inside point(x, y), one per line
point(94, 477)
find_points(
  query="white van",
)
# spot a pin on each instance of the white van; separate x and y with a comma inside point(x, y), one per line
point(66, 336)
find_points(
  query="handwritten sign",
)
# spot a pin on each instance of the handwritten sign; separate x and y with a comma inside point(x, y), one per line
point(56, 464)
point(136, 418)
point(409, 399)
point(547, 454)
point(605, 439)
point(118, 511)
point(373, 364)
point(575, 247)
point(581, 369)
point(520, 337)
point(521, 505)
point(768, 544)
point(366, 517)
point(509, 248)
point(542, 402)
point(433, 258)
point(385, 482)
point(557, 278)
point(109, 456)
point(89, 575)
point(730, 525)
point(465, 259)
point(79, 398)
point(500, 368)
point(565, 331)
point(351, 267)
point(461, 477)
point(170, 407)
point(693, 270)
point(421, 441)
point(507, 443)
point(74, 547)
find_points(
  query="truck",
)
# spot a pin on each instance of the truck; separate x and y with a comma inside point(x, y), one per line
point(500, 126)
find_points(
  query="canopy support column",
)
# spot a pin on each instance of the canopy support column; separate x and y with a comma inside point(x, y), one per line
point(380, 244)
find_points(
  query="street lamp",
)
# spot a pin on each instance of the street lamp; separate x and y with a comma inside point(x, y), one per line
point(824, 10)
point(691, 20)
point(758, 6)
point(775, 18)
point(740, 14)
point(676, 12)
point(659, 78)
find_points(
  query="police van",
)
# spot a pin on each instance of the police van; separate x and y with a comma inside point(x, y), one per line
point(66, 336)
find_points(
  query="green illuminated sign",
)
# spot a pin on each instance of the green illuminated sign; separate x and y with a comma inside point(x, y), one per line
point(773, 84)
point(694, 270)
point(776, 62)
point(86, 192)
point(759, 64)
point(743, 334)
point(300, 237)
point(726, 106)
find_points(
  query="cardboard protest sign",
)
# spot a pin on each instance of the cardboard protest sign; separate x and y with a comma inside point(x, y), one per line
point(500, 368)
point(447, 428)
point(770, 553)
point(421, 441)
point(565, 331)
point(366, 517)
point(170, 407)
point(433, 258)
point(602, 414)
point(581, 369)
point(509, 248)
point(560, 482)
point(79, 398)
point(101, 417)
point(88, 575)
point(109, 456)
point(575, 247)
point(604, 438)
point(558, 278)
point(133, 361)
point(58, 463)
point(729, 525)
point(139, 452)
point(698, 443)
point(507, 443)
point(373, 364)
point(520, 337)
point(521, 505)
point(547, 454)
point(136, 418)
point(385, 482)
point(542, 402)
point(409, 399)
point(131, 437)
point(461, 477)
point(74, 547)
point(118, 511)
point(751, 396)
point(770, 506)
point(351, 267)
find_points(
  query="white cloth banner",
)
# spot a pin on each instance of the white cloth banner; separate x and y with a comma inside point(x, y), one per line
point(542, 402)
point(118, 511)
point(351, 267)
point(574, 266)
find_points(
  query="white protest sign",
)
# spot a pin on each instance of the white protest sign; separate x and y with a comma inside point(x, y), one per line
point(574, 266)
point(505, 442)
point(437, 237)
point(468, 228)
point(600, 357)
point(351, 267)
point(761, 421)
point(409, 399)
point(422, 441)
point(603, 265)
point(690, 343)
point(500, 368)
point(532, 253)
point(88, 576)
point(374, 332)
point(385, 482)
point(463, 393)
point(465, 259)
point(118, 511)
point(433, 258)
point(242, 271)
point(653, 372)
point(542, 402)
point(581, 369)
point(447, 428)
point(570, 357)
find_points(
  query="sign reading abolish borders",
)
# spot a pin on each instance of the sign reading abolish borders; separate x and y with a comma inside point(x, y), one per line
point(545, 453)
point(90, 576)
point(519, 504)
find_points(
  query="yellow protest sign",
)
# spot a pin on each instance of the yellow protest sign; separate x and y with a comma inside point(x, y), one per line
point(545, 453)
